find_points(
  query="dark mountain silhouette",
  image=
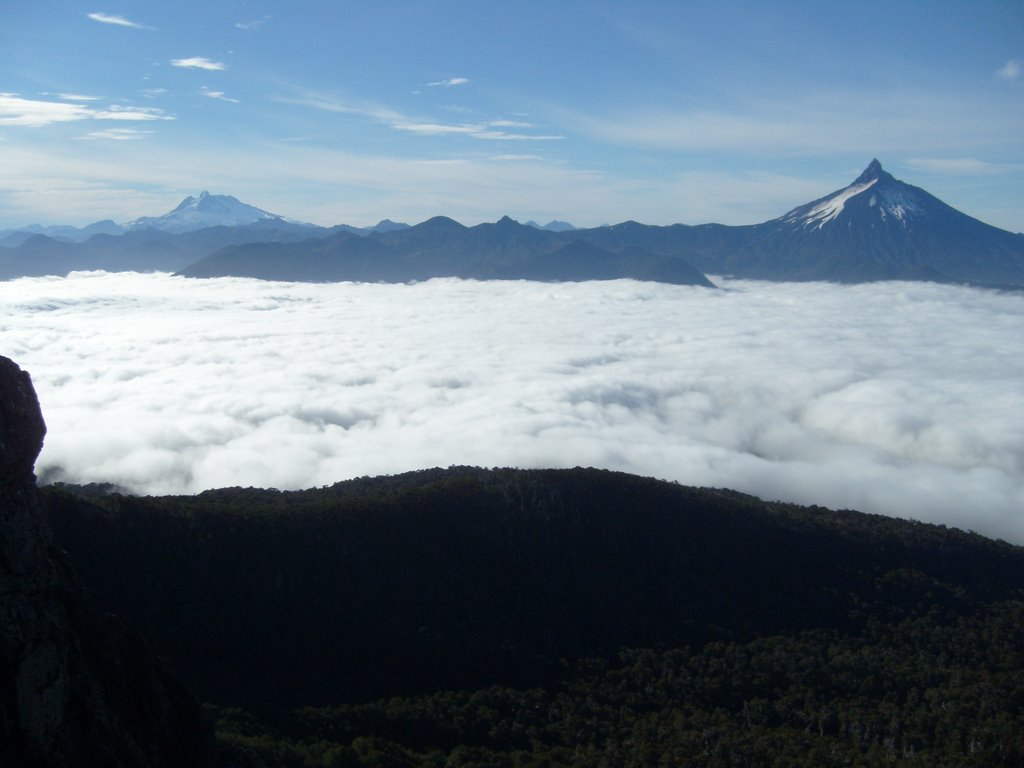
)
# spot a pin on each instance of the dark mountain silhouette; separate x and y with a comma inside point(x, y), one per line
point(77, 687)
point(441, 247)
point(882, 634)
point(876, 228)
point(143, 250)
point(342, 256)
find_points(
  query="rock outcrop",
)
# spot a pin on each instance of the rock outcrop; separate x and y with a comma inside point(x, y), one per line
point(76, 688)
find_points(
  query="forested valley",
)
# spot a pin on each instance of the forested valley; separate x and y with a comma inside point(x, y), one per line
point(474, 617)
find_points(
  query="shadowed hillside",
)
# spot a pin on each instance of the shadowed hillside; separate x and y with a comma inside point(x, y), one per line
point(466, 579)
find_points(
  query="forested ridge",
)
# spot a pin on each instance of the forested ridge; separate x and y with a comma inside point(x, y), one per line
point(564, 617)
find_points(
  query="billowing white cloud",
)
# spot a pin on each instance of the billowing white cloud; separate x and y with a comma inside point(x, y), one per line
point(898, 398)
point(199, 62)
point(118, 21)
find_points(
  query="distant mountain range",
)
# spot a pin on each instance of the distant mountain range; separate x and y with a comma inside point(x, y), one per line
point(877, 228)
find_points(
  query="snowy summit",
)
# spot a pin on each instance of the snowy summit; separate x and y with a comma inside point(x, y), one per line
point(874, 195)
point(205, 211)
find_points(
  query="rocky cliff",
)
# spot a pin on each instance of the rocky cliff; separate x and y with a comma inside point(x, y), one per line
point(76, 688)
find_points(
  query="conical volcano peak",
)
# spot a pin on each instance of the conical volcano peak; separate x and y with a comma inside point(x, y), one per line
point(205, 211)
point(874, 172)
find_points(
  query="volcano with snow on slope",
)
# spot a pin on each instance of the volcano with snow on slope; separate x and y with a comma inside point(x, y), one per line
point(879, 228)
point(885, 199)
point(205, 211)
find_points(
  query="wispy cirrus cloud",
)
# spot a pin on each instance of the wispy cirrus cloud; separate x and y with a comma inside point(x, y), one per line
point(328, 103)
point(822, 123)
point(514, 158)
point(451, 81)
point(254, 24)
point(963, 166)
point(35, 113)
point(199, 62)
point(76, 97)
point(14, 110)
point(484, 130)
point(116, 134)
point(487, 129)
point(1011, 70)
point(117, 112)
point(219, 95)
point(117, 21)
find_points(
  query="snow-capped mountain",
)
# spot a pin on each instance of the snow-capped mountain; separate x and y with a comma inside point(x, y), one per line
point(205, 211)
point(878, 228)
point(875, 196)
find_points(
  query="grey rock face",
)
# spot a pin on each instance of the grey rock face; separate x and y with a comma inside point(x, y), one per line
point(76, 688)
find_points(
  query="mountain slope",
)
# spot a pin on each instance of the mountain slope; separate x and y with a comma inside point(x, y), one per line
point(441, 247)
point(204, 211)
point(881, 228)
point(141, 250)
point(342, 256)
point(876, 228)
point(445, 579)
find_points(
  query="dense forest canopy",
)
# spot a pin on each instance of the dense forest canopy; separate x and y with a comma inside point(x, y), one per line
point(578, 617)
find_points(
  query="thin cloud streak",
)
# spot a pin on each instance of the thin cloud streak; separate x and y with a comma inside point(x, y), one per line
point(254, 24)
point(896, 398)
point(117, 134)
point(815, 125)
point(449, 82)
point(118, 21)
point(963, 166)
point(34, 113)
point(488, 129)
point(219, 95)
point(199, 62)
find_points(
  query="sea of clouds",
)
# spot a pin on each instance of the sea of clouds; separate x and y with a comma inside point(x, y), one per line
point(899, 398)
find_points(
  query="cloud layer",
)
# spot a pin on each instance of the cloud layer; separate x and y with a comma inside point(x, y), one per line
point(899, 398)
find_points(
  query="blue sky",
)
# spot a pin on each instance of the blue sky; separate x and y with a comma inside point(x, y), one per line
point(592, 112)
